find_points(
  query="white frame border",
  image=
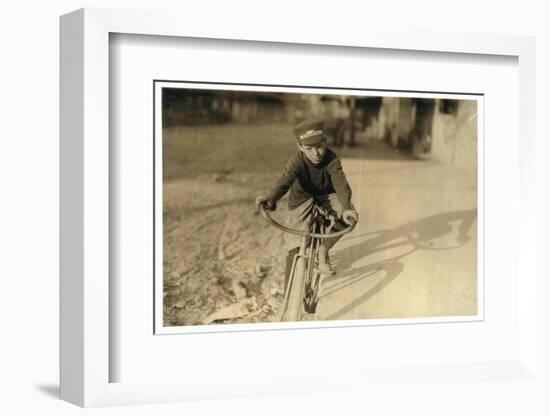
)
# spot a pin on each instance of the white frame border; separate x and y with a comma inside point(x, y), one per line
point(84, 191)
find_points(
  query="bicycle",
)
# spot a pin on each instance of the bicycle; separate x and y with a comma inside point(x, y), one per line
point(304, 281)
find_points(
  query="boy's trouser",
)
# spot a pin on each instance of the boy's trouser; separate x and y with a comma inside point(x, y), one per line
point(299, 217)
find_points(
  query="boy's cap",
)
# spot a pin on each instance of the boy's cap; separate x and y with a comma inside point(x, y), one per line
point(310, 132)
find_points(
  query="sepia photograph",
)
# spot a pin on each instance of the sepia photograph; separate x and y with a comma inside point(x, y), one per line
point(299, 204)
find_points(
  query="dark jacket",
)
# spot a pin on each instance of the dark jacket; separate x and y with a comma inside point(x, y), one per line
point(306, 180)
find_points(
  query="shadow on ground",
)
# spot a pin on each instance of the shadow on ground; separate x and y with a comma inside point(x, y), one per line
point(418, 235)
point(51, 390)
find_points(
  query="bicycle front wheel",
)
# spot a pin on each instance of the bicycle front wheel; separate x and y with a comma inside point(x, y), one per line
point(295, 290)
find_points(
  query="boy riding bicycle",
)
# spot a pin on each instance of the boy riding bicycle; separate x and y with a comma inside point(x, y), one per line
point(313, 175)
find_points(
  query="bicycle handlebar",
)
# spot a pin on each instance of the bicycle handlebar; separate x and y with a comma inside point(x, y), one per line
point(281, 227)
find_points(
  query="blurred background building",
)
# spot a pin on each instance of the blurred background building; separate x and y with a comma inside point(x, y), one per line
point(436, 128)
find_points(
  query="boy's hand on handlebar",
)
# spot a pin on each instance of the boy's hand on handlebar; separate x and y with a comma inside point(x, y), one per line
point(266, 202)
point(350, 216)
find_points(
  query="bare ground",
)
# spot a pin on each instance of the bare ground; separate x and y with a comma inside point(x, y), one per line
point(219, 265)
point(224, 264)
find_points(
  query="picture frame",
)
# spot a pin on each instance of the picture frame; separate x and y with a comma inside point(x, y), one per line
point(86, 262)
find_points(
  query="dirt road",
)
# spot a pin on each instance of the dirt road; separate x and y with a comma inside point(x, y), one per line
point(414, 251)
point(412, 254)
